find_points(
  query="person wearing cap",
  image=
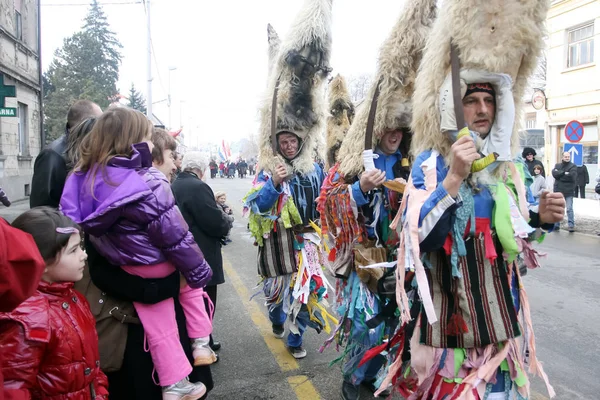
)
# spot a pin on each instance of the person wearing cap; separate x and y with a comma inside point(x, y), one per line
point(529, 156)
point(465, 216)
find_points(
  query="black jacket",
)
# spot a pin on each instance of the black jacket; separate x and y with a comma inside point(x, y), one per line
point(197, 204)
point(531, 164)
point(565, 178)
point(583, 177)
point(134, 380)
point(49, 175)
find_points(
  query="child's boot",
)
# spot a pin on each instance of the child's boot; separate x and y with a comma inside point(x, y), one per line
point(203, 354)
point(183, 390)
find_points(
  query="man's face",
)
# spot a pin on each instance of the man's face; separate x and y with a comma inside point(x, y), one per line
point(529, 157)
point(288, 144)
point(566, 156)
point(480, 111)
point(390, 141)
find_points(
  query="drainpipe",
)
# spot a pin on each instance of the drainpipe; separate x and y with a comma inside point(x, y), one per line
point(41, 95)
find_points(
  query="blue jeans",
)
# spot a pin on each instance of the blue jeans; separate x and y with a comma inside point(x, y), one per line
point(278, 317)
point(570, 214)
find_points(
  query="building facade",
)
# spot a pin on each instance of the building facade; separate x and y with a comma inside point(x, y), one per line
point(20, 135)
point(573, 78)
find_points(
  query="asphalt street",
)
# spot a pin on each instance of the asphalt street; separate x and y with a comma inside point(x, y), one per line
point(564, 296)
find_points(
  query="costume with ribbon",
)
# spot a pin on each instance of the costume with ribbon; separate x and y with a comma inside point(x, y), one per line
point(282, 216)
point(356, 223)
point(461, 253)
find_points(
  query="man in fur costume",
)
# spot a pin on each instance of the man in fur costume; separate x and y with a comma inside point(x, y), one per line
point(282, 204)
point(357, 206)
point(341, 114)
point(465, 224)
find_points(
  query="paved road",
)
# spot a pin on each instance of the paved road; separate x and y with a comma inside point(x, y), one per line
point(564, 297)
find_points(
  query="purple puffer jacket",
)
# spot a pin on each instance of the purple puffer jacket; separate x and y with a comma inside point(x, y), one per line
point(132, 218)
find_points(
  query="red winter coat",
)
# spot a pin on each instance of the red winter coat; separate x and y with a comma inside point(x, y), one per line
point(21, 267)
point(50, 347)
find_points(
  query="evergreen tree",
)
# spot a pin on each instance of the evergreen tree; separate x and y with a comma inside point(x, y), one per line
point(85, 67)
point(136, 100)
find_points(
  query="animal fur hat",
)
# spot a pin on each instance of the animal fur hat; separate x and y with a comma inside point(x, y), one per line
point(341, 114)
point(298, 71)
point(398, 62)
point(274, 44)
point(502, 37)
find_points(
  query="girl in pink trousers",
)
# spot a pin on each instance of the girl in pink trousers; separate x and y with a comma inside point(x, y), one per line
point(127, 208)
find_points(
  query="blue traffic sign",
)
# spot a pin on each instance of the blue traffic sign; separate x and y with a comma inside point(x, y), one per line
point(576, 151)
point(574, 131)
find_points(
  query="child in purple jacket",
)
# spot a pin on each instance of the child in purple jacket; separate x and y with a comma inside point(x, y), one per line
point(128, 209)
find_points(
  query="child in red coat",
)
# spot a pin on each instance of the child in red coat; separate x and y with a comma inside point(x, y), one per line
point(49, 343)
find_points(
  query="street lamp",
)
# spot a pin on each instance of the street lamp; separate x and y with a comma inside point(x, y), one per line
point(169, 94)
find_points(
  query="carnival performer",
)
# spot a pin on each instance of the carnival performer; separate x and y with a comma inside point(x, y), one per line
point(361, 196)
point(465, 217)
point(282, 203)
point(127, 208)
point(341, 114)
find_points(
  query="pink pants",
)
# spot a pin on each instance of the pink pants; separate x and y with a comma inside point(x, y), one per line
point(160, 325)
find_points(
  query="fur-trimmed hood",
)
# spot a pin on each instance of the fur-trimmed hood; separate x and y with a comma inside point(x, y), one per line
point(341, 114)
point(299, 69)
point(501, 37)
point(399, 59)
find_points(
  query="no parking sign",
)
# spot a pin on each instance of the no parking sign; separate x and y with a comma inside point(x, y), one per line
point(574, 131)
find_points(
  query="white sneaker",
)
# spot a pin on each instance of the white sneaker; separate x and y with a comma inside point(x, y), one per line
point(202, 353)
point(184, 390)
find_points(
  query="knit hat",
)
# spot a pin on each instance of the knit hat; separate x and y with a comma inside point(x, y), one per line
point(527, 151)
point(480, 88)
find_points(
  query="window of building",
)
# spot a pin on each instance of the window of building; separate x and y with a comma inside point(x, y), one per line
point(18, 25)
point(23, 130)
point(581, 45)
point(530, 121)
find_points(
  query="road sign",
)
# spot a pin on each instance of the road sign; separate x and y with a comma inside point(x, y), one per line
point(6, 91)
point(576, 151)
point(574, 131)
point(8, 112)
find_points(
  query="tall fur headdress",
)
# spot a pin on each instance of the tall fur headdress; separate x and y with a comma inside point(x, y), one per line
point(496, 36)
point(298, 72)
point(341, 114)
point(274, 44)
point(399, 59)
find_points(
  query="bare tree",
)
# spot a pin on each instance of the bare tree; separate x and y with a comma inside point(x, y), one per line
point(538, 78)
point(359, 86)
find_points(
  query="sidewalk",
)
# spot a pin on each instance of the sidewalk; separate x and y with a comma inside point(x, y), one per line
point(17, 208)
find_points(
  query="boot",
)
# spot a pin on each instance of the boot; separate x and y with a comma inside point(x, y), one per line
point(202, 353)
point(350, 391)
point(183, 390)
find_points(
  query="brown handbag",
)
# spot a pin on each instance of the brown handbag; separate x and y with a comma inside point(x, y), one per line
point(112, 321)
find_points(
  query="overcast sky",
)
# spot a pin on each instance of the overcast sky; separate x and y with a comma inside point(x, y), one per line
point(220, 51)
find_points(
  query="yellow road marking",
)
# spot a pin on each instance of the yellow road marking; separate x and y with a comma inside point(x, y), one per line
point(301, 384)
point(303, 388)
point(276, 346)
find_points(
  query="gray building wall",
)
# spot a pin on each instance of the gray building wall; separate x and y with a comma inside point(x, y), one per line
point(20, 137)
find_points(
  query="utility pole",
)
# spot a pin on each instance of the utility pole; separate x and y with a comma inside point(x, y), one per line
point(148, 62)
point(169, 96)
